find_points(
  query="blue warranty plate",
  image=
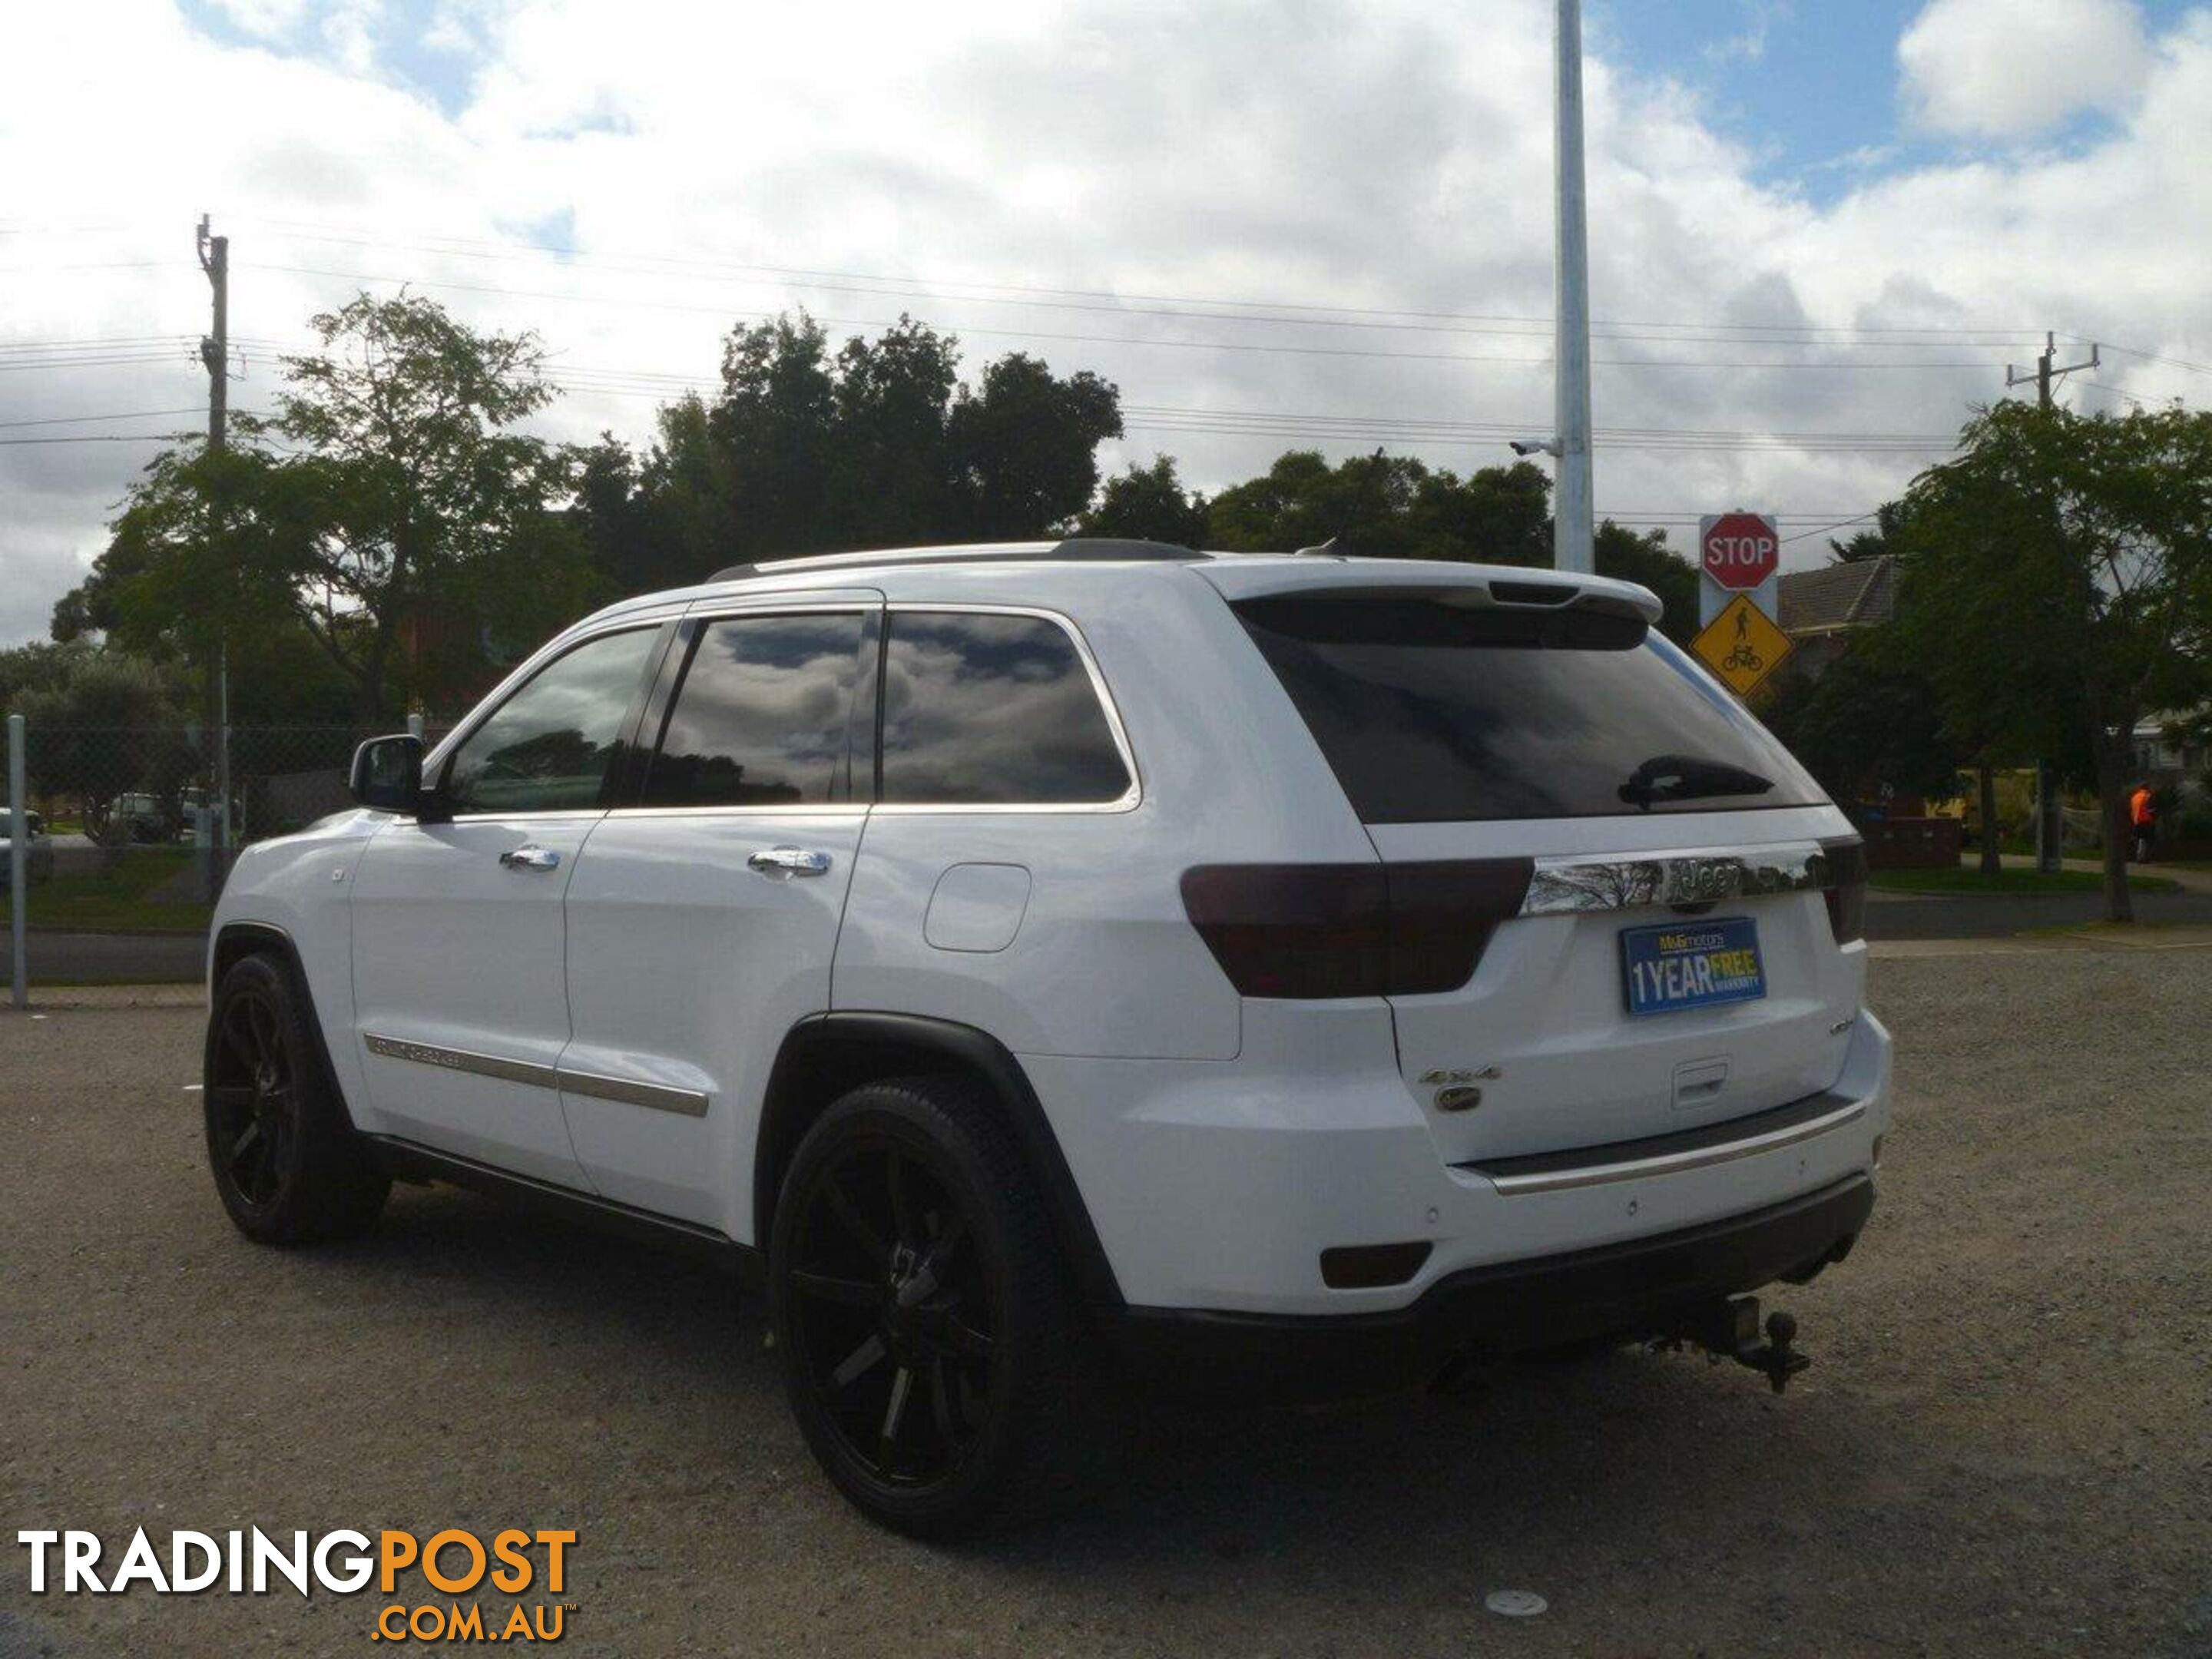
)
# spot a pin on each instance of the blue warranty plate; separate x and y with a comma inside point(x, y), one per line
point(1692, 964)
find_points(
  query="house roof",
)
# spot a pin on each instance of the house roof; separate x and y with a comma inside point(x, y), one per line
point(1858, 594)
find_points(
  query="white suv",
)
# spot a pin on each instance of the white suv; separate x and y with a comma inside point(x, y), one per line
point(1276, 974)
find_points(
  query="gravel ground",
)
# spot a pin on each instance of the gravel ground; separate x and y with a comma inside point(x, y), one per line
point(2002, 1448)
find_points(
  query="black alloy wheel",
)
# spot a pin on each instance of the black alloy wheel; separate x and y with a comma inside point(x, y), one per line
point(288, 1165)
point(931, 1349)
point(252, 1106)
point(893, 1310)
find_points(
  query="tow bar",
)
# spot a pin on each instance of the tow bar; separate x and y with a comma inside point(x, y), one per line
point(1729, 1330)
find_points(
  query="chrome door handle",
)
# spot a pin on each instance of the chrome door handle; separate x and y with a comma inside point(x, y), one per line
point(789, 861)
point(530, 858)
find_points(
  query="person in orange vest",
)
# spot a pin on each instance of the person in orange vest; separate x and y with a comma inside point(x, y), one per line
point(2144, 818)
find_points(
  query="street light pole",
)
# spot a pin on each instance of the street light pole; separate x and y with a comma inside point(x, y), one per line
point(1573, 515)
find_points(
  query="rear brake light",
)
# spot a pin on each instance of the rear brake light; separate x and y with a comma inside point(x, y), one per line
point(1845, 888)
point(1309, 931)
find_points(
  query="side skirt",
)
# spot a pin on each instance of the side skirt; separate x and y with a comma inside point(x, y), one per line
point(409, 1160)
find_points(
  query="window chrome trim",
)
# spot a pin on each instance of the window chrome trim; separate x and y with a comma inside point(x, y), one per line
point(1130, 798)
point(1641, 1169)
point(1635, 881)
point(843, 810)
point(629, 1092)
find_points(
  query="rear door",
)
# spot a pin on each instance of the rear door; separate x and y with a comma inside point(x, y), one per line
point(1663, 955)
point(703, 915)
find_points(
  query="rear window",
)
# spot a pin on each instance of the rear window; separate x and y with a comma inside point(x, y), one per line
point(1432, 711)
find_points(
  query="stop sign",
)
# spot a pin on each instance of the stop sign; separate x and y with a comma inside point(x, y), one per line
point(1740, 550)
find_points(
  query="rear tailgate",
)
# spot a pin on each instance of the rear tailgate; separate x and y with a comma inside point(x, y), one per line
point(1544, 1028)
point(1673, 962)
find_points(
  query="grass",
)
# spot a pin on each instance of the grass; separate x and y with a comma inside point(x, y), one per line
point(119, 898)
point(1964, 879)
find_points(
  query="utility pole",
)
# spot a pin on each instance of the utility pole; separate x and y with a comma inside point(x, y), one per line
point(1573, 515)
point(215, 349)
point(2049, 830)
point(215, 352)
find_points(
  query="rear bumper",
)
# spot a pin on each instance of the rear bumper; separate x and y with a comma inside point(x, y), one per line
point(1641, 1287)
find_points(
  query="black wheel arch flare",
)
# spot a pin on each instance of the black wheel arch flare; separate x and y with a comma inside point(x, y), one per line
point(244, 938)
point(825, 1055)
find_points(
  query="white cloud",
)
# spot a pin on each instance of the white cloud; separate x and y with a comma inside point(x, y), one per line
point(1334, 153)
point(1748, 44)
point(267, 20)
point(2009, 68)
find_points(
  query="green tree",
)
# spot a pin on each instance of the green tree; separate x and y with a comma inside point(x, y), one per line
point(1386, 506)
point(879, 443)
point(108, 723)
point(1025, 447)
point(1147, 504)
point(392, 515)
point(2061, 569)
point(1884, 537)
point(1646, 559)
point(1364, 503)
point(1865, 726)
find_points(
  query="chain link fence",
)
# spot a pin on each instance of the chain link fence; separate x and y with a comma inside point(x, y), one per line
point(131, 837)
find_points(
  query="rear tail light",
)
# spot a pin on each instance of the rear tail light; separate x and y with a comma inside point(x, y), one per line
point(1309, 931)
point(1846, 888)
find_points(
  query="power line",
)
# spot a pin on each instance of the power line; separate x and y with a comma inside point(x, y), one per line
point(107, 438)
point(78, 420)
point(1840, 524)
point(1181, 308)
point(629, 304)
point(519, 249)
point(2153, 357)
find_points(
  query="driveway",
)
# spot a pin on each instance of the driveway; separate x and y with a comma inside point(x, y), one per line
point(2000, 1447)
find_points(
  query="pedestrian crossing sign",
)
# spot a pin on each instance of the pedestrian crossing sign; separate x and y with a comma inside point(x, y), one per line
point(1742, 645)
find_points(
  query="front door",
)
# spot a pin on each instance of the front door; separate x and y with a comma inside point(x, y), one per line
point(460, 1005)
point(702, 921)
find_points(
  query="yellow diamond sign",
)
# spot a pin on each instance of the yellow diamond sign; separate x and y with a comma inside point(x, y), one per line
point(1742, 645)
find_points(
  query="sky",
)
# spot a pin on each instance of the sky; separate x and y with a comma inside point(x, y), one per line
point(1819, 232)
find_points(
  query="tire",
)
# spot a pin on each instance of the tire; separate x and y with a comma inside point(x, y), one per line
point(286, 1164)
point(915, 1288)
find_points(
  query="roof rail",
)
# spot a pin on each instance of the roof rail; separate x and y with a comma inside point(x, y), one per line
point(1072, 548)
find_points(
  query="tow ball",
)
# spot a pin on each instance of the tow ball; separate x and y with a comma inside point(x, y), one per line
point(1729, 1330)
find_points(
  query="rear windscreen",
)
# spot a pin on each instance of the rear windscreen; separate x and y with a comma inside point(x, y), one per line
point(1432, 711)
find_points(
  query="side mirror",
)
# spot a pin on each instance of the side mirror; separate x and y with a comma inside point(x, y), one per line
point(387, 774)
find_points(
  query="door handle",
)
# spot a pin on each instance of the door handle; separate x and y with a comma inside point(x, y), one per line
point(530, 858)
point(789, 861)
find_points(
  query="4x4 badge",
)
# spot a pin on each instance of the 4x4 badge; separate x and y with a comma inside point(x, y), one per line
point(1459, 1095)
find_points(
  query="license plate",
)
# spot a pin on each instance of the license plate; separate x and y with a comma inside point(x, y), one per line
point(1693, 964)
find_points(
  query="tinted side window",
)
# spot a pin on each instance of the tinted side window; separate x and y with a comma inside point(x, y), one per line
point(764, 716)
point(992, 710)
point(550, 747)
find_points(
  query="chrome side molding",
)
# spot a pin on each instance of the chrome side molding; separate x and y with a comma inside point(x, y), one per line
point(689, 1102)
point(659, 1097)
point(461, 1060)
point(1563, 886)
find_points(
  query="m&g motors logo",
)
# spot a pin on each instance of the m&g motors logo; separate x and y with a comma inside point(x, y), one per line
point(415, 1570)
